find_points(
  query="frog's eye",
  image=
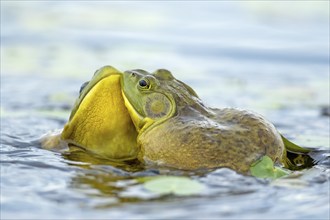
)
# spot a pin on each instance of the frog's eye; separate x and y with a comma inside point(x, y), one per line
point(144, 84)
point(83, 86)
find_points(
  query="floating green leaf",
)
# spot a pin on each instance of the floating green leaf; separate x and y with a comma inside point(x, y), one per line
point(177, 185)
point(264, 168)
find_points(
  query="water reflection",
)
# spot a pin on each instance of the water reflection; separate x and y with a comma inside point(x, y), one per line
point(98, 188)
point(267, 56)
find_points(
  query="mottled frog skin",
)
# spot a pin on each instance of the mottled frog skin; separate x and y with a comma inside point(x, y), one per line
point(183, 133)
point(157, 119)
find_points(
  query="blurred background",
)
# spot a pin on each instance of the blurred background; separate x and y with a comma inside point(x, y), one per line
point(255, 54)
point(271, 57)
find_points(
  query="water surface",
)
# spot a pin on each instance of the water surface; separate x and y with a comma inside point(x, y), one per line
point(272, 58)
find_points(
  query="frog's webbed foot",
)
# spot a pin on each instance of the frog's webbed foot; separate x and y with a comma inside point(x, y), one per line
point(298, 158)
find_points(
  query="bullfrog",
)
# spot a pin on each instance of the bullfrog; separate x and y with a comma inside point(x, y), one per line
point(158, 119)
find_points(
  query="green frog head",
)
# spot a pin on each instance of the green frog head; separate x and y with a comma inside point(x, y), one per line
point(152, 98)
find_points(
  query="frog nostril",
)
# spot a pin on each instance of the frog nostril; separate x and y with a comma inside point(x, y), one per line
point(133, 74)
point(83, 86)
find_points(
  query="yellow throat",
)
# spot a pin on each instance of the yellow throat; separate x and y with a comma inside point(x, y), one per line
point(102, 124)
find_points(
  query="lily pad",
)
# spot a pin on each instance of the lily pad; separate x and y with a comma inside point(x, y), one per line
point(177, 185)
point(264, 168)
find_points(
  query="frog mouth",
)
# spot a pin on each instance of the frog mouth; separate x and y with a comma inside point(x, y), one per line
point(100, 122)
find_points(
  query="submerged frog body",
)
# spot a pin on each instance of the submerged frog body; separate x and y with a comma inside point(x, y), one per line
point(177, 130)
point(233, 138)
point(156, 118)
